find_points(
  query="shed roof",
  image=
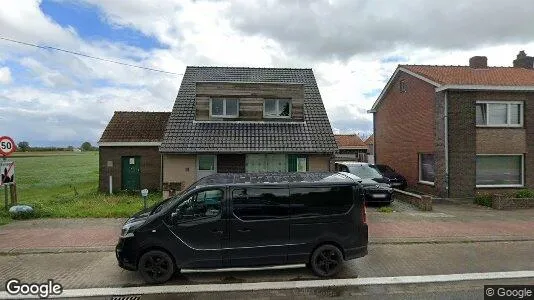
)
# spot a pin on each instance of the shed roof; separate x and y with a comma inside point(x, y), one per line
point(134, 126)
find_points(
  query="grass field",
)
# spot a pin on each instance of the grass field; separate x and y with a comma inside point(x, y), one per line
point(64, 184)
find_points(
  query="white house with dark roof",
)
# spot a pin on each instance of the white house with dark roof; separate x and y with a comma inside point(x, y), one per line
point(228, 119)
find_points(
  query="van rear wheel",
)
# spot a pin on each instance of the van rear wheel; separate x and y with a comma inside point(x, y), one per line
point(326, 260)
point(156, 266)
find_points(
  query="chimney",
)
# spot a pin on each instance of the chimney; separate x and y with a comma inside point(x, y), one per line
point(478, 62)
point(524, 61)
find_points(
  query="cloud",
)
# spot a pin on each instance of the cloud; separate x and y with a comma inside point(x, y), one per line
point(5, 75)
point(340, 29)
point(352, 46)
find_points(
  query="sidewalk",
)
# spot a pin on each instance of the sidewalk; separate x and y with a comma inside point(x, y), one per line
point(445, 224)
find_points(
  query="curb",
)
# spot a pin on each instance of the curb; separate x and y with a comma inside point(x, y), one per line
point(16, 251)
point(450, 240)
point(375, 241)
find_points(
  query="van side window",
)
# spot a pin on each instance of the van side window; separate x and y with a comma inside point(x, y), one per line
point(320, 201)
point(260, 203)
point(201, 205)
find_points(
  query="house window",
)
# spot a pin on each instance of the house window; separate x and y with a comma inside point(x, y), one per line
point(499, 114)
point(499, 170)
point(402, 86)
point(224, 108)
point(266, 163)
point(426, 168)
point(277, 108)
point(206, 162)
point(297, 163)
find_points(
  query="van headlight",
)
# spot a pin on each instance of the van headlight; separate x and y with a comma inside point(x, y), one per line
point(129, 229)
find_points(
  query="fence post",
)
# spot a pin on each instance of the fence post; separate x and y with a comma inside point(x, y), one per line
point(13, 190)
point(5, 197)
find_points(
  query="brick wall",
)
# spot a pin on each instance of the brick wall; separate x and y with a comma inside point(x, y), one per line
point(466, 140)
point(150, 166)
point(439, 156)
point(501, 140)
point(462, 143)
point(405, 126)
point(529, 155)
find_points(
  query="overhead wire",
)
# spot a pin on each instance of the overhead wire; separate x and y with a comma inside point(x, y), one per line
point(88, 56)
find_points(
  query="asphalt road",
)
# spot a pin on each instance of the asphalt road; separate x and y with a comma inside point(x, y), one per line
point(99, 269)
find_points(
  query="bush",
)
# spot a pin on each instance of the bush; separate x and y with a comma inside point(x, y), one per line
point(484, 199)
point(525, 193)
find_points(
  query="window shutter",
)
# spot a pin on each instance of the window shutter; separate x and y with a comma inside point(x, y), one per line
point(292, 163)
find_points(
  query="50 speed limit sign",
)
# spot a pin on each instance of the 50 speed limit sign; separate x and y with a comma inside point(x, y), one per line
point(7, 146)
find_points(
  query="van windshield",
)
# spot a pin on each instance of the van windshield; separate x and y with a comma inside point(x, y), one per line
point(364, 171)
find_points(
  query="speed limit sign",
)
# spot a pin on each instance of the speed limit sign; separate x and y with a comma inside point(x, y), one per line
point(7, 146)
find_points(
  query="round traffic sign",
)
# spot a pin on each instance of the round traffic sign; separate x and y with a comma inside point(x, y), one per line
point(7, 146)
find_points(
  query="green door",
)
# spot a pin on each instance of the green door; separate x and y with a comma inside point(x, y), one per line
point(131, 173)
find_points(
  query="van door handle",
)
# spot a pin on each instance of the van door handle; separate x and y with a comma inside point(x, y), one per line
point(244, 230)
point(216, 231)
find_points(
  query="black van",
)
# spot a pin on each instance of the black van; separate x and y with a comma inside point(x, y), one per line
point(249, 220)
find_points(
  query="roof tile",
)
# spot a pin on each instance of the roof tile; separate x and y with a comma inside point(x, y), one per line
point(465, 75)
point(182, 135)
point(129, 126)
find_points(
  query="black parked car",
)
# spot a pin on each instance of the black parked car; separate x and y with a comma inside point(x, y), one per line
point(247, 220)
point(396, 180)
point(376, 187)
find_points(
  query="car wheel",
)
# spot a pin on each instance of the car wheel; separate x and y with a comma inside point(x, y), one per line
point(156, 266)
point(326, 260)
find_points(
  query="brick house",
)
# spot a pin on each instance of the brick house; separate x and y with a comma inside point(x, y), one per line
point(129, 157)
point(229, 119)
point(457, 130)
point(351, 147)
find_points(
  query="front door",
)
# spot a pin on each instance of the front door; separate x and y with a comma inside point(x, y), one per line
point(200, 229)
point(131, 173)
point(206, 165)
point(259, 226)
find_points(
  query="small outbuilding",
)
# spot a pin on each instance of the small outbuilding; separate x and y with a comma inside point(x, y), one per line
point(129, 157)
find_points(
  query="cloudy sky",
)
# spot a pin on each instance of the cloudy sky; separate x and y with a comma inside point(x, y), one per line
point(53, 98)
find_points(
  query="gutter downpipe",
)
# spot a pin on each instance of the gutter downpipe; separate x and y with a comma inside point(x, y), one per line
point(446, 137)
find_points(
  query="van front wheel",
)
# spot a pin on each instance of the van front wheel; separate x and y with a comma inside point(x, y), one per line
point(326, 260)
point(156, 266)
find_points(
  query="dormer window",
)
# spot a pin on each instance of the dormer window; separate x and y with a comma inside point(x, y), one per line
point(224, 108)
point(277, 108)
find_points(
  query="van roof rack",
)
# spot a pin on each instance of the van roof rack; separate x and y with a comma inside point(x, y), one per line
point(278, 178)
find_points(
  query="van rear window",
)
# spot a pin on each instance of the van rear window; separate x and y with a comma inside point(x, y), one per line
point(320, 201)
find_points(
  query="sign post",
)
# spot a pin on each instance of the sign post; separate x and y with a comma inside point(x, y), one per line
point(7, 168)
point(144, 193)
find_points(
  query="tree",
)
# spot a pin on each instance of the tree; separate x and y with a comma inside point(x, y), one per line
point(23, 146)
point(86, 146)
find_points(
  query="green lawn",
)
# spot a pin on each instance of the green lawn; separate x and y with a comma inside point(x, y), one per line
point(64, 184)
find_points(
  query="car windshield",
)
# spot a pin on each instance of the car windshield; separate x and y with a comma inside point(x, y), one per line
point(364, 171)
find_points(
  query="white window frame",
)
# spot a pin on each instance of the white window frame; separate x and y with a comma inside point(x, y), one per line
point(508, 112)
point(224, 115)
point(277, 108)
point(505, 185)
point(419, 160)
